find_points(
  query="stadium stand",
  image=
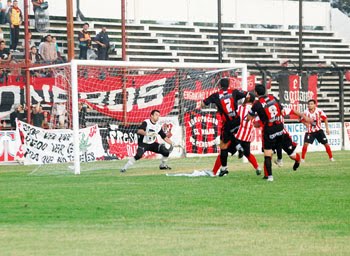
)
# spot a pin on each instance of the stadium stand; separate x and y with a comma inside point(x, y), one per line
point(149, 41)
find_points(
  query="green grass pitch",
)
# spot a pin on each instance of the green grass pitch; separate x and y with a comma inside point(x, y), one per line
point(45, 211)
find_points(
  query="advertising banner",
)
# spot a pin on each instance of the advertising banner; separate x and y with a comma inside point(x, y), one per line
point(122, 140)
point(347, 135)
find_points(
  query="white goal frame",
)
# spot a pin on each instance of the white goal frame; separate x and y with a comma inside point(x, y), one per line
point(129, 64)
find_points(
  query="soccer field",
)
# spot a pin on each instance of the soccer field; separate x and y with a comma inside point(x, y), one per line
point(145, 212)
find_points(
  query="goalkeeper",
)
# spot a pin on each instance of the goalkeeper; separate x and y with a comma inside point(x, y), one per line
point(147, 141)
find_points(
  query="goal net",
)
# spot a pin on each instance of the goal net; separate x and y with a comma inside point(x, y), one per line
point(93, 109)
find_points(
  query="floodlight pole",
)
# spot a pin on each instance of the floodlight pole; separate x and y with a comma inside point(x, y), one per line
point(219, 32)
point(123, 30)
point(26, 58)
point(300, 37)
point(124, 92)
point(70, 30)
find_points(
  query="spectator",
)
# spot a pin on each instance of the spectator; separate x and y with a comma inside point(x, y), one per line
point(83, 109)
point(19, 113)
point(84, 41)
point(103, 44)
point(2, 13)
point(37, 115)
point(59, 56)
point(16, 18)
point(46, 123)
point(8, 6)
point(48, 50)
point(59, 115)
point(42, 41)
point(37, 5)
point(34, 56)
point(5, 54)
point(29, 38)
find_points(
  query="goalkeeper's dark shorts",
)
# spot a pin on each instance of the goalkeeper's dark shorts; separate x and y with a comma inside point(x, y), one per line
point(154, 147)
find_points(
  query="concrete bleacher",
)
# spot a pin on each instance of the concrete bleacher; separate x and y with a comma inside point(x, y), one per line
point(149, 41)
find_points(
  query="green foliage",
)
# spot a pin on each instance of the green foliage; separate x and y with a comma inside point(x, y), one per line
point(144, 212)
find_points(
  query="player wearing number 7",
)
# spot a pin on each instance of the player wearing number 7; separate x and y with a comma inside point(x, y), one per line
point(226, 102)
point(147, 141)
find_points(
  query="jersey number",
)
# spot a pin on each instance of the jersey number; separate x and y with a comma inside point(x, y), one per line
point(273, 111)
point(228, 105)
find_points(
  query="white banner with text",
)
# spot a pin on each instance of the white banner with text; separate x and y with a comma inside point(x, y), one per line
point(41, 146)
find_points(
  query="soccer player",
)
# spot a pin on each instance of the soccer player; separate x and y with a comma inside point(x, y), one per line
point(288, 145)
point(147, 141)
point(269, 110)
point(314, 131)
point(226, 102)
point(244, 137)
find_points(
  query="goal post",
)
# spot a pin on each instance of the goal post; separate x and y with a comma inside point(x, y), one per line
point(119, 95)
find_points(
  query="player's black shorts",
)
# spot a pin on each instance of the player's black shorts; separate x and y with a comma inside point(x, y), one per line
point(287, 144)
point(143, 147)
point(273, 136)
point(229, 128)
point(319, 136)
point(245, 145)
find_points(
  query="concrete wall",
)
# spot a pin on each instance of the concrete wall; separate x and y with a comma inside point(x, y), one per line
point(340, 24)
point(277, 12)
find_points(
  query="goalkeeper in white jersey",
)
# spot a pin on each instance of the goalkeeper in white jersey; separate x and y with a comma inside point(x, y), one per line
point(147, 141)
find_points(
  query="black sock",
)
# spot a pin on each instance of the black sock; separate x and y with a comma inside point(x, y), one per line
point(268, 165)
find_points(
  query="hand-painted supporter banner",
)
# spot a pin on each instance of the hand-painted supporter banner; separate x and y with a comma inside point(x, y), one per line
point(202, 132)
point(145, 93)
point(294, 92)
point(40, 146)
point(122, 140)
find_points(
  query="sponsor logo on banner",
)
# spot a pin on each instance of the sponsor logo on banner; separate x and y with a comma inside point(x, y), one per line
point(297, 133)
point(294, 92)
point(255, 145)
point(347, 135)
point(122, 140)
point(40, 146)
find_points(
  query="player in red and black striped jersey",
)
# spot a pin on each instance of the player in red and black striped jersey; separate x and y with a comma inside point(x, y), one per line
point(244, 137)
point(314, 130)
point(288, 145)
point(269, 110)
point(226, 103)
